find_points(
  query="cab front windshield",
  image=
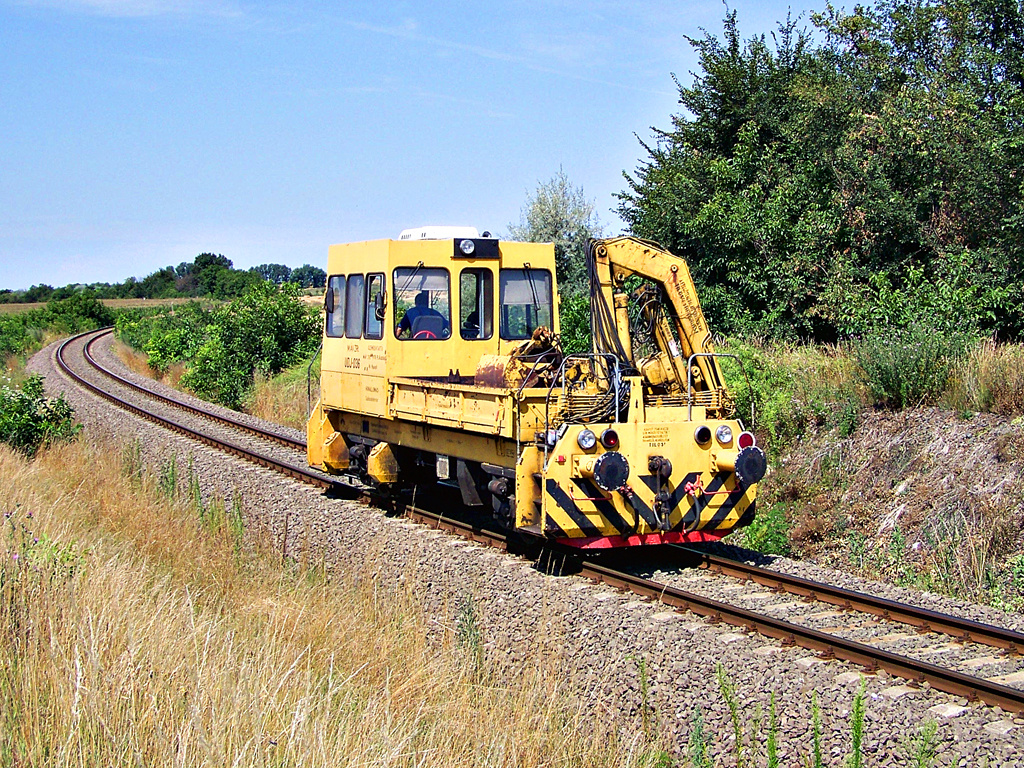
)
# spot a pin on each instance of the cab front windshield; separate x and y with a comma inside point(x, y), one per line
point(525, 302)
point(422, 303)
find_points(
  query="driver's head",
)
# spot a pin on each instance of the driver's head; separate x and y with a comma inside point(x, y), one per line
point(422, 299)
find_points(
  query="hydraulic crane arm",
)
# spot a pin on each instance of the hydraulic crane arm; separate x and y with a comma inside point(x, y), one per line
point(667, 302)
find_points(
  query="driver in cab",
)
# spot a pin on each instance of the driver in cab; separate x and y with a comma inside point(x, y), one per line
point(422, 321)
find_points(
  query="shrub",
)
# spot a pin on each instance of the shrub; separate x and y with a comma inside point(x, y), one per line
point(226, 348)
point(574, 318)
point(768, 533)
point(257, 334)
point(29, 421)
point(80, 311)
point(14, 335)
point(905, 367)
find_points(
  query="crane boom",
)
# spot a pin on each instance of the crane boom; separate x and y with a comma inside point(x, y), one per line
point(665, 299)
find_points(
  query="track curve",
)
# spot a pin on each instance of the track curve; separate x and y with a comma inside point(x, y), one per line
point(828, 645)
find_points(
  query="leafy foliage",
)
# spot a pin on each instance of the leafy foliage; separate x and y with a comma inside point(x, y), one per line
point(29, 421)
point(789, 389)
point(258, 334)
point(560, 213)
point(77, 312)
point(810, 185)
point(768, 533)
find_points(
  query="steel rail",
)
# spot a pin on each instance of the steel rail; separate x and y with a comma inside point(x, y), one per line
point(295, 471)
point(285, 440)
point(829, 646)
point(922, 619)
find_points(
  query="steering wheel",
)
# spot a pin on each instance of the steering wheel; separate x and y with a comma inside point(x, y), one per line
point(424, 334)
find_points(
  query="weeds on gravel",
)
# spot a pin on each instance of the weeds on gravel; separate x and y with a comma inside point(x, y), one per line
point(856, 757)
point(699, 748)
point(728, 690)
point(816, 731)
point(772, 742)
point(746, 740)
point(922, 747)
point(646, 707)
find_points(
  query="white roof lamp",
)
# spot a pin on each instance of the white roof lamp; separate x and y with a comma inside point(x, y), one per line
point(440, 233)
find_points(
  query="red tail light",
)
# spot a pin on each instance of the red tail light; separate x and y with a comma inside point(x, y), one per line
point(610, 439)
point(746, 440)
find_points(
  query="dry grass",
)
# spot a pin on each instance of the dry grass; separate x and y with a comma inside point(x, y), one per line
point(136, 631)
point(139, 363)
point(989, 379)
point(281, 399)
point(284, 399)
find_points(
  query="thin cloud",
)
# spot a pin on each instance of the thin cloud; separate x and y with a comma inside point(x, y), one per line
point(408, 31)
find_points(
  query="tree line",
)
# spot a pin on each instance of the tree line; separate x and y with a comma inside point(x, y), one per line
point(860, 175)
point(208, 275)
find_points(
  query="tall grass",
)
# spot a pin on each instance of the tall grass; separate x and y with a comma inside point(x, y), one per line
point(135, 631)
point(282, 399)
point(138, 362)
point(990, 378)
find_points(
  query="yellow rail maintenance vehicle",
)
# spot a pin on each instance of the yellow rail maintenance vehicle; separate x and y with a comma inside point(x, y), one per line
point(442, 361)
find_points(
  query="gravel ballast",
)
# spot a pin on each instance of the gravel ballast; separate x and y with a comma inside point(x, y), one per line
point(624, 658)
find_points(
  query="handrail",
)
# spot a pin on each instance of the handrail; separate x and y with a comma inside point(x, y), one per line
point(309, 380)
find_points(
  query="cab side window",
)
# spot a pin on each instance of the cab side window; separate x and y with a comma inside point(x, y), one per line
point(334, 304)
point(422, 297)
point(476, 303)
point(374, 288)
point(525, 296)
point(354, 301)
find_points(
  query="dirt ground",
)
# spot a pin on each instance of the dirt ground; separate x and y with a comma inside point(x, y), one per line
point(922, 497)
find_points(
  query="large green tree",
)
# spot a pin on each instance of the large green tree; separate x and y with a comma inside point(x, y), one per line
point(821, 190)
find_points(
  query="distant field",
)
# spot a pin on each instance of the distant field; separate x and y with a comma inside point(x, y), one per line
point(10, 309)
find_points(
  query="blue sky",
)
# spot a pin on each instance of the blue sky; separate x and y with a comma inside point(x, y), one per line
point(138, 133)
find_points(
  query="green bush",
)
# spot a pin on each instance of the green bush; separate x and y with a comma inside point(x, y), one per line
point(29, 421)
point(574, 322)
point(905, 367)
point(258, 334)
point(81, 311)
point(14, 335)
point(24, 331)
point(768, 533)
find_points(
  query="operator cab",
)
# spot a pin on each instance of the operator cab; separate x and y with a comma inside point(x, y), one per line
point(431, 304)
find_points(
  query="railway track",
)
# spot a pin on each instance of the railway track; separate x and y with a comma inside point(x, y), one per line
point(826, 644)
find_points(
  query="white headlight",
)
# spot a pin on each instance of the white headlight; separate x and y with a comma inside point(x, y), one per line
point(586, 439)
point(467, 247)
point(724, 434)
